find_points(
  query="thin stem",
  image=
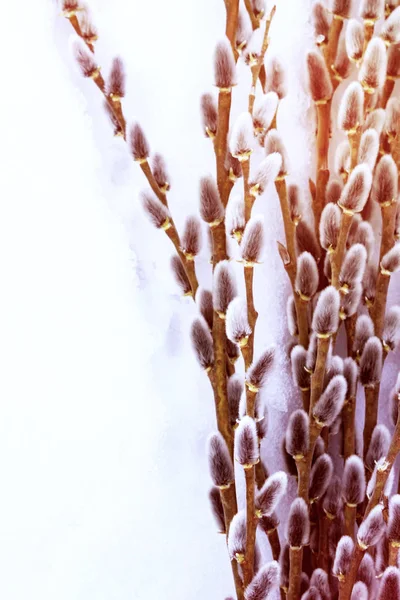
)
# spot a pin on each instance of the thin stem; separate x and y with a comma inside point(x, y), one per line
point(317, 378)
point(229, 504)
point(289, 226)
point(324, 526)
point(379, 307)
point(255, 71)
point(220, 145)
point(188, 265)
point(248, 565)
point(252, 313)
point(273, 538)
point(371, 415)
point(393, 554)
point(232, 12)
point(319, 202)
point(348, 416)
point(296, 566)
point(386, 92)
point(350, 513)
point(333, 42)
point(346, 586)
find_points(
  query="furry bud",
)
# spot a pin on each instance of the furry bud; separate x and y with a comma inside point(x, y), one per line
point(301, 376)
point(322, 22)
point(381, 465)
point(269, 524)
point(85, 60)
point(235, 391)
point(330, 402)
point(342, 8)
point(372, 10)
point(224, 287)
point(319, 579)
point(372, 73)
point(391, 330)
point(243, 31)
point(364, 330)
point(297, 434)
point(291, 316)
point(262, 423)
point(371, 362)
point(318, 78)
point(342, 159)
point(390, 31)
point(237, 537)
point(350, 373)
point(156, 211)
point(371, 529)
point(354, 40)
point(264, 111)
point(394, 401)
point(329, 226)
point(246, 443)
point(270, 494)
point(298, 531)
point(253, 241)
point(307, 277)
point(211, 208)
point(353, 482)
point(390, 585)
point(351, 108)
point(342, 66)
point(393, 530)
point(332, 502)
point(366, 571)
point(202, 343)
point(351, 301)
point(234, 219)
point(360, 591)
point(295, 203)
point(378, 447)
point(276, 78)
point(326, 314)
point(392, 120)
point(237, 324)
point(233, 166)
point(306, 240)
point(311, 594)
point(267, 172)
point(356, 191)
point(209, 115)
point(138, 142)
point(205, 304)
point(259, 370)
point(242, 141)
point(160, 174)
point(369, 148)
point(364, 235)
point(224, 66)
point(353, 267)
point(375, 120)
point(217, 508)
point(343, 557)
point(191, 238)
point(180, 276)
point(264, 582)
point(391, 261)
point(333, 191)
point(220, 463)
point(274, 143)
point(320, 477)
point(384, 190)
point(254, 46)
point(116, 80)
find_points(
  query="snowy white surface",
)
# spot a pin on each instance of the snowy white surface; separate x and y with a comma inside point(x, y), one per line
point(104, 412)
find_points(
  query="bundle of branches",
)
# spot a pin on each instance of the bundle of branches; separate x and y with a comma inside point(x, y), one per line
point(342, 533)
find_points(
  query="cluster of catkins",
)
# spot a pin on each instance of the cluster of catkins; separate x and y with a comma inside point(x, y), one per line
point(342, 532)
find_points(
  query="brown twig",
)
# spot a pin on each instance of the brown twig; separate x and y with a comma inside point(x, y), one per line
point(348, 416)
point(248, 565)
point(371, 415)
point(228, 497)
point(296, 567)
point(256, 69)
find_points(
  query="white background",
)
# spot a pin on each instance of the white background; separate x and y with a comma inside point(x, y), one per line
point(104, 412)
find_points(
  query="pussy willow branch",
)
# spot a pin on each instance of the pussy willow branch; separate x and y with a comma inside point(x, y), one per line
point(145, 167)
point(381, 479)
point(256, 69)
